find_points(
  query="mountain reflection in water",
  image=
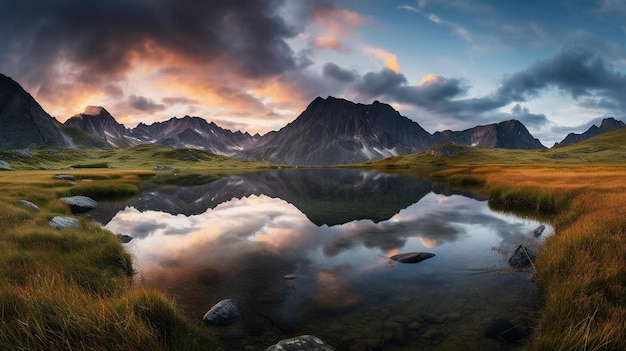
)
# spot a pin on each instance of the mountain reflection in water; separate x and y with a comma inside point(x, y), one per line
point(237, 237)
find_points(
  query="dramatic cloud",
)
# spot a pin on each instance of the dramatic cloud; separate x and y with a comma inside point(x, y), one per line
point(73, 52)
point(333, 71)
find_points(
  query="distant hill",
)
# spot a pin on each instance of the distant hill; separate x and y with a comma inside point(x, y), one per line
point(98, 122)
point(504, 135)
point(607, 125)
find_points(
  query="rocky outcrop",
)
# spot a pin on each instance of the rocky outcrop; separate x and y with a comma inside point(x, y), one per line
point(224, 312)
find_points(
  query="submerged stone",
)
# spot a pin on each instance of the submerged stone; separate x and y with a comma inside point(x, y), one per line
point(301, 343)
point(412, 257)
point(59, 222)
point(522, 257)
point(502, 330)
point(80, 204)
point(224, 312)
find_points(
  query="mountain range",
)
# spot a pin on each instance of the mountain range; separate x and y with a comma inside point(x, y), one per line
point(329, 131)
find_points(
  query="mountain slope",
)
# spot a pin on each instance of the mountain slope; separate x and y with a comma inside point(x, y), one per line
point(608, 124)
point(336, 131)
point(98, 122)
point(23, 122)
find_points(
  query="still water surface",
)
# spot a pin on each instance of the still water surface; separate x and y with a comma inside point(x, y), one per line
point(238, 237)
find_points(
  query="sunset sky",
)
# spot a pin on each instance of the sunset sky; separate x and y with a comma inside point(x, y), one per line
point(555, 65)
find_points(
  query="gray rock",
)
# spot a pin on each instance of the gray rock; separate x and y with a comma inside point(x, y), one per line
point(301, 343)
point(537, 231)
point(31, 206)
point(4, 165)
point(522, 257)
point(64, 177)
point(59, 222)
point(224, 312)
point(80, 204)
point(412, 257)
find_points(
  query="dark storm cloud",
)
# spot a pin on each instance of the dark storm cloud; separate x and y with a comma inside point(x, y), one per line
point(333, 71)
point(144, 104)
point(172, 100)
point(103, 38)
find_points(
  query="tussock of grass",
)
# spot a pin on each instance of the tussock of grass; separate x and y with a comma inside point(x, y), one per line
point(72, 289)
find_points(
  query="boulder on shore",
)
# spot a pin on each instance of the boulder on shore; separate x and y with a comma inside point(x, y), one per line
point(80, 204)
point(301, 343)
point(59, 222)
point(31, 206)
point(412, 257)
point(224, 312)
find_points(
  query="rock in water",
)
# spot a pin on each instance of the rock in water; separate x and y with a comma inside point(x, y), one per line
point(59, 222)
point(301, 343)
point(412, 257)
point(224, 312)
point(4, 165)
point(80, 204)
point(30, 205)
point(502, 330)
point(522, 257)
point(537, 231)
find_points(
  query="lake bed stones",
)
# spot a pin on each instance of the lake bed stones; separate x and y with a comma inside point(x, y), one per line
point(301, 343)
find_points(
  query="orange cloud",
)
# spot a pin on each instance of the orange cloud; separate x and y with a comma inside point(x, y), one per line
point(328, 42)
point(338, 21)
point(390, 60)
point(430, 78)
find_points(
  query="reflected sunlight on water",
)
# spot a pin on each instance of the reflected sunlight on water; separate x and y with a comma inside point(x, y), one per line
point(345, 290)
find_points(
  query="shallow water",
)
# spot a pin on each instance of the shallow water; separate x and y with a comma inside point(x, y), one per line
point(333, 229)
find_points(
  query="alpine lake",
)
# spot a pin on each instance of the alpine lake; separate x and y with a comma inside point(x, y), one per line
point(306, 251)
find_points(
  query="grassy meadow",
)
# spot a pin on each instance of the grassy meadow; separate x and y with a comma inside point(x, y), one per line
point(72, 289)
